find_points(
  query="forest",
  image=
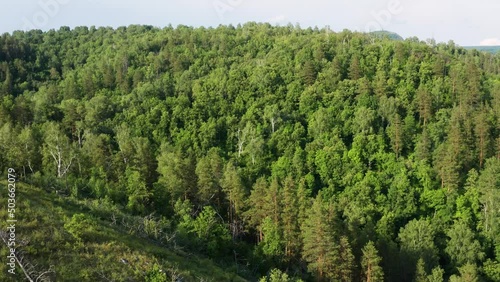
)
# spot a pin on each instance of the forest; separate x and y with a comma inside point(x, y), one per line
point(275, 153)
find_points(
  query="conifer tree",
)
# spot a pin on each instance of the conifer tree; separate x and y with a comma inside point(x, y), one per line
point(370, 264)
point(209, 171)
point(319, 248)
point(290, 224)
point(424, 100)
point(235, 192)
point(482, 134)
point(258, 208)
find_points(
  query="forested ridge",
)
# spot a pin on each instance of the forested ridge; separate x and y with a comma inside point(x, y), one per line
point(282, 153)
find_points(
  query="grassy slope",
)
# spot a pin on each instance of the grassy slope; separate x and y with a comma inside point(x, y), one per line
point(97, 254)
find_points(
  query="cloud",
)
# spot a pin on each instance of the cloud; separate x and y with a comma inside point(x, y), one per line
point(490, 42)
point(277, 19)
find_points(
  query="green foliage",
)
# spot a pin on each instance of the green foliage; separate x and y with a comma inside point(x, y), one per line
point(80, 226)
point(488, 186)
point(176, 171)
point(417, 242)
point(468, 273)
point(272, 243)
point(436, 275)
point(463, 247)
point(276, 275)
point(258, 147)
point(492, 270)
point(232, 185)
point(328, 254)
point(209, 171)
point(420, 274)
point(204, 232)
point(95, 240)
point(138, 196)
point(211, 233)
point(156, 275)
point(370, 263)
point(319, 241)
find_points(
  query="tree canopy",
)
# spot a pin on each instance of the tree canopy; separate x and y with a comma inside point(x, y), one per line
point(306, 153)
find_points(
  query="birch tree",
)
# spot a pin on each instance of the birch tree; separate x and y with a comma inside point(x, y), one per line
point(58, 149)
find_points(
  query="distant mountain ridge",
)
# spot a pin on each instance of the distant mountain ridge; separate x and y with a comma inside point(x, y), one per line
point(387, 34)
point(489, 49)
point(394, 36)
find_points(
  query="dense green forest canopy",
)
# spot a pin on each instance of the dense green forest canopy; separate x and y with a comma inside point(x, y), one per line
point(291, 153)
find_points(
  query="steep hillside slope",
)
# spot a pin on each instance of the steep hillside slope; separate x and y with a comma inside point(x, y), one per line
point(93, 241)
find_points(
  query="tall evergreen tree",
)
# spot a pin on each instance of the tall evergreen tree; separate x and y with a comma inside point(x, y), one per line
point(370, 264)
point(290, 224)
point(209, 170)
point(319, 249)
point(235, 192)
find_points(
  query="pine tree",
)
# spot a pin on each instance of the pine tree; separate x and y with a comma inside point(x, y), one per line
point(319, 241)
point(272, 243)
point(380, 86)
point(309, 73)
point(273, 200)
point(423, 146)
point(290, 224)
point(176, 172)
point(395, 132)
point(456, 139)
point(370, 264)
point(209, 170)
point(355, 69)
point(468, 273)
point(436, 275)
point(424, 101)
point(234, 190)
point(258, 207)
point(420, 274)
point(472, 96)
point(489, 191)
point(482, 130)
point(304, 201)
point(447, 167)
point(345, 262)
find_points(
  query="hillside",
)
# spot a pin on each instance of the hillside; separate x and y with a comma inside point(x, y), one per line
point(92, 240)
point(262, 151)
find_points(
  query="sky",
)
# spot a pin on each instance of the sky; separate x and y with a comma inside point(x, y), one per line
point(466, 22)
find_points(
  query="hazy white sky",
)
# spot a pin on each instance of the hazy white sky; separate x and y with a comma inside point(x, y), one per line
point(466, 22)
